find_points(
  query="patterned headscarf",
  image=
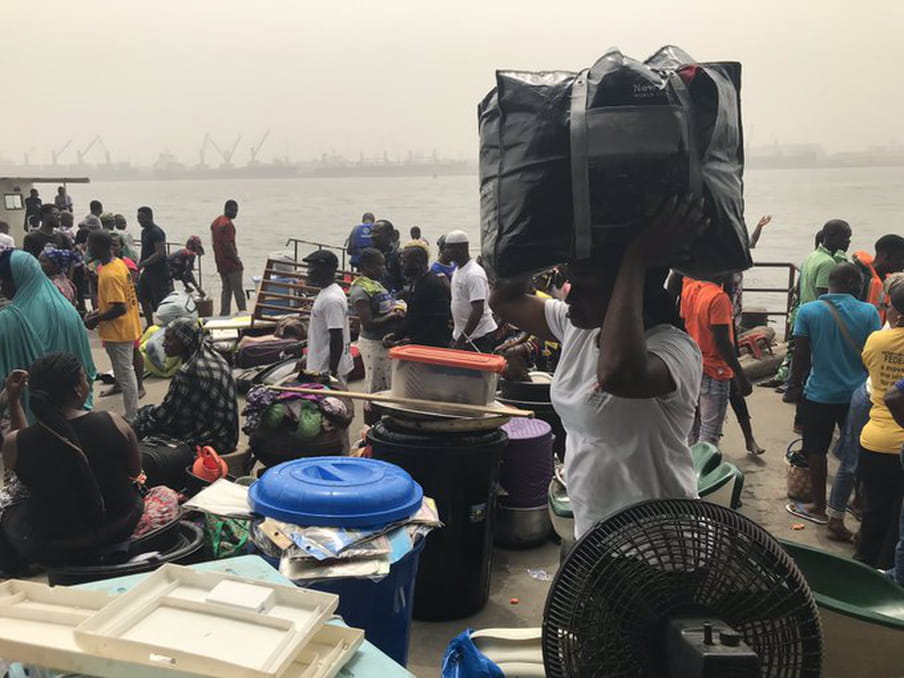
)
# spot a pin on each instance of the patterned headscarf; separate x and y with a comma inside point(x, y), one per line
point(189, 333)
point(61, 258)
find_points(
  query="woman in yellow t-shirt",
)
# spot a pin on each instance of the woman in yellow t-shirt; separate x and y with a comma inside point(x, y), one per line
point(881, 442)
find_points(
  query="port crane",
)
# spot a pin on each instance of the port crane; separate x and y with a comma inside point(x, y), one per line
point(256, 149)
point(55, 154)
point(202, 164)
point(95, 141)
point(226, 155)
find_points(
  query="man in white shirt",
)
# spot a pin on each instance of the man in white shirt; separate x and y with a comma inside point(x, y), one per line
point(474, 326)
point(328, 334)
point(6, 240)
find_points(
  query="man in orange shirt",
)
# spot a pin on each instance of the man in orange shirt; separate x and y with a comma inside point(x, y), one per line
point(889, 259)
point(116, 317)
point(707, 313)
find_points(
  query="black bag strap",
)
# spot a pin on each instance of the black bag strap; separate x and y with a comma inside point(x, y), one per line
point(580, 166)
point(695, 173)
point(580, 169)
point(845, 333)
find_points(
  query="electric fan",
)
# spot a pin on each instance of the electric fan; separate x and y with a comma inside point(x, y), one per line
point(680, 588)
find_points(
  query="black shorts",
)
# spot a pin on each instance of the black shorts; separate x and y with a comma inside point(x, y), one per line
point(818, 421)
point(153, 288)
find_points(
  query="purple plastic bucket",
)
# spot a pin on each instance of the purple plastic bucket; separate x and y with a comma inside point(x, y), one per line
point(527, 463)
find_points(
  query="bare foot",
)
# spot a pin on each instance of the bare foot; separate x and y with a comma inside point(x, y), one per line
point(141, 394)
point(754, 448)
point(113, 390)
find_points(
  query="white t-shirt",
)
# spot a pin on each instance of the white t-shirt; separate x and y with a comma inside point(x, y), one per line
point(6, 240)
point(330, 312)
point(469, 283)
point(620, 451)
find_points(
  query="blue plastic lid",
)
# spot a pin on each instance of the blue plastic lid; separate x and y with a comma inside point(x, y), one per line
point(336, 492)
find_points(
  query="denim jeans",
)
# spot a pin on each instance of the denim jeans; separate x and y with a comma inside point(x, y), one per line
point(120, 353)
point(710, 410)
point(847, 450)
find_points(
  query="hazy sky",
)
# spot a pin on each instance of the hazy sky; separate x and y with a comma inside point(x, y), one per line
point(350, 77)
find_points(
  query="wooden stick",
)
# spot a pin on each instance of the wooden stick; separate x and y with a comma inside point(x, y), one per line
point(443, 408)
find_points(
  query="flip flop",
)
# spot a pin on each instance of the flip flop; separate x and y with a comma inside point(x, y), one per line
point(797, 509)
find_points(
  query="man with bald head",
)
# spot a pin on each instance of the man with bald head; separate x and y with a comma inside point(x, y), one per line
point(829, 336)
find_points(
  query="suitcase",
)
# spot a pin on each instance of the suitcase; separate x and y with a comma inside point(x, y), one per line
point(268, 352)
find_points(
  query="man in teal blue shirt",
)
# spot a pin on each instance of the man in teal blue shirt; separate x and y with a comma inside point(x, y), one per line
point(829, 335)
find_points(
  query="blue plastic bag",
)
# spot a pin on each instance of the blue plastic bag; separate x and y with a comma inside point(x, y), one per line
point(463, 660)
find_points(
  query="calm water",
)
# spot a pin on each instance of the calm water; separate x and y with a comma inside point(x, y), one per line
point(324, 210)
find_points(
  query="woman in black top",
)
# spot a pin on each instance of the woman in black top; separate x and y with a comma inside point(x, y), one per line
point(79, 468)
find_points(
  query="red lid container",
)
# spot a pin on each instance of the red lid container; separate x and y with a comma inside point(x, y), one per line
point(449, 357)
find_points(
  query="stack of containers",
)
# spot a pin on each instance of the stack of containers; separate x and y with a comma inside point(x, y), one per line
point(527, 468)
point(458, 466)
point(348, 492)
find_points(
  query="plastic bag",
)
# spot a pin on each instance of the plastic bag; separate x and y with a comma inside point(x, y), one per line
point(463, 660)
point(573, 162)
point(155, 359)
point(174, 306)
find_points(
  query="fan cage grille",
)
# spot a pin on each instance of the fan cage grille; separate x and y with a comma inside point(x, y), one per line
point(611, 598)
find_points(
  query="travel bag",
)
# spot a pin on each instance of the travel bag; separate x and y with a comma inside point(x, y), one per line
point(572, 163)
point(268, 352)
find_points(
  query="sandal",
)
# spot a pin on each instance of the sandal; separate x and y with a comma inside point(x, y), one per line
point(798, 509)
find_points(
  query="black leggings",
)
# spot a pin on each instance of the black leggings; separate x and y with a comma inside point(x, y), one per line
point(883, 484)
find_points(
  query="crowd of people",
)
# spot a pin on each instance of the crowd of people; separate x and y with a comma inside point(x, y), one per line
point(629, 340)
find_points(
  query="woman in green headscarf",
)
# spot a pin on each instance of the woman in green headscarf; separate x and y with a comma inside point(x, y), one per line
point(38, 320)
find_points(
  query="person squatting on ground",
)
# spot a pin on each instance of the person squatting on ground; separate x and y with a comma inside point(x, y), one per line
point(200, 406)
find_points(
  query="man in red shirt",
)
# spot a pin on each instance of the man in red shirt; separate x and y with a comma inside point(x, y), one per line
point(706, 310)
point(225, 253)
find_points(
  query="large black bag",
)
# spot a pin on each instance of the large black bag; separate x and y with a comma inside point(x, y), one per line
point(570, 162)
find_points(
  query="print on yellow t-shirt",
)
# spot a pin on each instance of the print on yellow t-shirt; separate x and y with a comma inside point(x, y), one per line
point(883, 356)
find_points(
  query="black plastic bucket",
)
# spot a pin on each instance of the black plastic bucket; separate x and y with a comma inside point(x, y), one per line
point(461, 472)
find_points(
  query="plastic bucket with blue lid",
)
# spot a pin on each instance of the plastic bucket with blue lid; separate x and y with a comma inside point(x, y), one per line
point(336, 492)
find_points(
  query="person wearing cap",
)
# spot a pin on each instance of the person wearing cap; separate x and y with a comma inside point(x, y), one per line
point(329, 339)
point(182, 264)
point(473, 325)
point(226, 255)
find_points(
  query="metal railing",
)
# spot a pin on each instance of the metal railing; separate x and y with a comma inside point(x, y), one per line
point(295, 242)
point(787, 292)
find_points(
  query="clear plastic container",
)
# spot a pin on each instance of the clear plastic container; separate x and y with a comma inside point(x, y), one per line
point(445, 374)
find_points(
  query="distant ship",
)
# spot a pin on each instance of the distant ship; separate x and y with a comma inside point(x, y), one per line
point(407, 168)
point(812, 156)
